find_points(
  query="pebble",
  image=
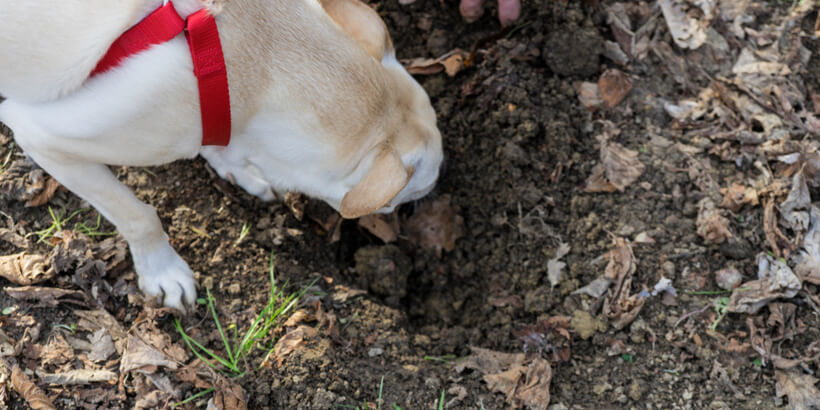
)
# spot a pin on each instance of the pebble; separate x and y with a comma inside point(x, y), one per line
point(375, 351)
point(235, 288)
point(728, 278)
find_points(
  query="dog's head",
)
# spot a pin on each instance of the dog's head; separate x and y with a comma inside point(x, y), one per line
point(404, 163)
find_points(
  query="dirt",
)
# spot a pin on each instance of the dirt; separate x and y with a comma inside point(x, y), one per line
point(520, 146)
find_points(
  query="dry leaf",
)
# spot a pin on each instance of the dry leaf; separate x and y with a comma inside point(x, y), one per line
point(711, 225)
point(436, 225)
point(50, 297)
point(596, 288)
point(57, 351)
point(737, 195)
point(554, 266)
point(149, 348)
point(687, 31)
point(807, 261)
point(296, 202)
point(451, 63)
point(384, 227)
point(613, 86)
point(525, 382)
point(45, 195)
point(25, 269)
point(196, 374)
point(619, 167)
point(799, 388)
point(94, 320)
point(775, 280)
point(227, 395)
point(79, 376)
point(291, 341)
point(102, 345)
point(620, 306)
point(32, 394)
point(342, 294)
point(589, 95)
point(621, 260)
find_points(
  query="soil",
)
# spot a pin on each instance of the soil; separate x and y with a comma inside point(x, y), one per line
point(520, 146)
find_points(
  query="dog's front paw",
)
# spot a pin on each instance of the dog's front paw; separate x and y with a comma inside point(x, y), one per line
point(165, 276)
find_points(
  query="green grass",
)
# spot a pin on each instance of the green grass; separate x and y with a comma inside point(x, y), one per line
point(7, 159)
point(236, 348)
point(59, 222)
point(721, 306)
point(379, 401)
point(246, 229)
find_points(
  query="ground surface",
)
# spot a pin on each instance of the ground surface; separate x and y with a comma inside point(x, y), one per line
point(523, 134)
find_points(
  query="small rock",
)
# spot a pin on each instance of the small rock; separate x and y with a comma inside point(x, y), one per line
point(636, 390)
point(208, 282)
point(235, 289)
point(601, 388)
point(669, 269)
point(728, 278)
point(375, 351)
point(687, 395)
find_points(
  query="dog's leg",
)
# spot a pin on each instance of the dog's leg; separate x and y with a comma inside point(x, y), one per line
point(162, 272)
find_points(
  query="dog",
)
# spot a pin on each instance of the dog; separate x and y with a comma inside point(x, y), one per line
point(319, 105)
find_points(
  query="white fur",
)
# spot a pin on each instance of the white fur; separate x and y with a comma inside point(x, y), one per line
point(141, 113)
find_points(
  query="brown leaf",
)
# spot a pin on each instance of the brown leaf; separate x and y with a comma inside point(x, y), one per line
point(737, 195)
point(42, 296)
point(25, 269)
point(291, 341)
point(342, 294)
point(621, 260)
point(78, 376)
point(589, 94)
point(619, 167)
point(451, 63)
point(555, 266)
point(614, 85)
point(296, 203)
point(102, 345)
point(32, 394)
point(57, 351)
point(524, 381)
point(384, 227)
point(799, 388)
point(620, 306)
point(776, 280)
point(196, 374)
point(227, 395)
point(94, 320)
point(711, 225)
point(687, 31)
point(436, 225)
point(45, 195)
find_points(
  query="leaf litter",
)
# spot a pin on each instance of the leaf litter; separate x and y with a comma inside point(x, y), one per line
point(523, 379)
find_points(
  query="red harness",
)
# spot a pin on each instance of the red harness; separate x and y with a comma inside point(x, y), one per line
point(206, 52)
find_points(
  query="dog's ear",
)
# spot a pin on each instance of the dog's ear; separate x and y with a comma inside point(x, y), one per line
point(385, 179)
point(362, 24)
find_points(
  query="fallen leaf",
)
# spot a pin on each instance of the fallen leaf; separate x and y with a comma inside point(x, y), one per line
point(296, 202)
point(79, 376)
point(795, 209)
point(807, 260)
point(614, 85)
point(436, 225)
point(384, 227)
point(102, 345)
point(32, 394)
point(737, 195)
point(799, 388)
point(549, 337)
point(25, 269)
point(554, 266)
point(22, 180)
point(342, 294)
point(291, 341)
point(775, 280)
point(45, 194)
point(57, 351)
point(95, 320)
point(621, 260)
point(711, 225)
point(620, 306)
point(196, 374)
point(452, 62)
point(619, 167)
point(11, 236)
point(524, 381)
point(596, 288)
point(50, 297)
point(140, 355)
point(747, 63)
point(589, 94)
point(688, 31)
point(227, 395)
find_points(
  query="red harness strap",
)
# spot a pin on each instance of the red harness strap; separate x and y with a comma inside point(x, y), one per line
point(206, 52)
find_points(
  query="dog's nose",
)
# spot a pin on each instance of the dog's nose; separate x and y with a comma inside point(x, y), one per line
point(442, 169)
